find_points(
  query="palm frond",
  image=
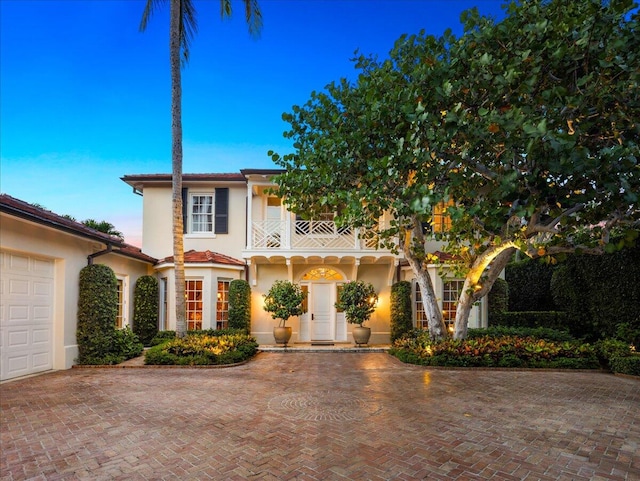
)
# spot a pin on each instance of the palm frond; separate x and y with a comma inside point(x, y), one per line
point(225, 8)
point(149, 8)
point(188, 27)
point(253, 16)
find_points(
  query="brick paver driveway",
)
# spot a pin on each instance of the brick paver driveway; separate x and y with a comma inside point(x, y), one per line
point(314, 416)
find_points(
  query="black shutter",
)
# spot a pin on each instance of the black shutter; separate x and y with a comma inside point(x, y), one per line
point(222, 211)
point(185, 209)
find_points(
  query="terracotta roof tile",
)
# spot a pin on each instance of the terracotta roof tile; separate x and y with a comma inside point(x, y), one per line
point(202, 257)
point(30, 212)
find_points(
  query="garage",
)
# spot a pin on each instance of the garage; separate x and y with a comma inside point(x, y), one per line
point(26, 322)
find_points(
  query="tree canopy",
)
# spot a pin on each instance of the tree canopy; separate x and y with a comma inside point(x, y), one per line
point(526, 131)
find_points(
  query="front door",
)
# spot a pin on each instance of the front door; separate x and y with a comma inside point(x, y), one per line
point(322, 311)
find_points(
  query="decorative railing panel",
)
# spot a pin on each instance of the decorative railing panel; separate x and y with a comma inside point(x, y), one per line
point(306, 234)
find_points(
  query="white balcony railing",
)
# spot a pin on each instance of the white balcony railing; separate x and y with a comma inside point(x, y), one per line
point(306, 234)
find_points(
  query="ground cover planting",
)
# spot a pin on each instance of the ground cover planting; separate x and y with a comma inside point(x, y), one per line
point(202, 348)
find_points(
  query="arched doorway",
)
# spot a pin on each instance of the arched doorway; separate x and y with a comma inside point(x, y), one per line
point(322, 322)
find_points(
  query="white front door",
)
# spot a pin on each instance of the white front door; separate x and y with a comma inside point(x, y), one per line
point(322, 312)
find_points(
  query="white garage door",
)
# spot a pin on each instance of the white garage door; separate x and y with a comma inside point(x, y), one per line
point(26, 314)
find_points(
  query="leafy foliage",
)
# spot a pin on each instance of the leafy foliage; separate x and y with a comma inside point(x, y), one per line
point(401, 309)
point(284, 300)
point(203, 349)
point(145, 309)
point(358, 301)
point(489, 351)
point(240, 305)
point(525, 129)
point(530, 286)
point(103, 226)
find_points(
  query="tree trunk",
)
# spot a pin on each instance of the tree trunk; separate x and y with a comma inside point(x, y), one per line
point(176, 165)
point(475, 287)
point(437, 328)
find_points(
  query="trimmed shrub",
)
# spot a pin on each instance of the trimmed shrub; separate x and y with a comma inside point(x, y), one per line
point(203, 349)
point(548, 319)
point(97, 312)
point(530, 286)
point(145, 309)
point(498, 298)
point(401, 312)
point(240, 305)
point(162, 336)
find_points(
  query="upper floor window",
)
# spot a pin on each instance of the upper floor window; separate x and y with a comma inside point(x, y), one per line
point(201, 213)
point(441, 221)
point(205, 212)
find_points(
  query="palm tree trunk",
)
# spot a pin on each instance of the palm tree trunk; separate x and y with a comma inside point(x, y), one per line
point(176, 165)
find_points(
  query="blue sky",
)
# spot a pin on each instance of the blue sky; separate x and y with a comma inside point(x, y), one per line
point(85, 97)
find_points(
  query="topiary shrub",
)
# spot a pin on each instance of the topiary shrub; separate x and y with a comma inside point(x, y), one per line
point(530, 286)
point(240, 305)
point(401, 312)
point(284, 300)
point(358, 301)
point(145, 309)
point(498, 298)
point(97, 312)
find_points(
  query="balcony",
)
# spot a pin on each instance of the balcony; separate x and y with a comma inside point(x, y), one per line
point(306, 235)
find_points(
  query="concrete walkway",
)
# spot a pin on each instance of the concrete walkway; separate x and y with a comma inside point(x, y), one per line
point(312, 416)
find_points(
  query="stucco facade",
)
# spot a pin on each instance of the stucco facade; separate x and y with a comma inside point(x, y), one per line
point(261, 241)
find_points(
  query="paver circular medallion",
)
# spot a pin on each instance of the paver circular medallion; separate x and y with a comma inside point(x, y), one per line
point(324, 405)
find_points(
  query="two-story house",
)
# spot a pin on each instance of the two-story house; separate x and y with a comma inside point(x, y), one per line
point(234, 228)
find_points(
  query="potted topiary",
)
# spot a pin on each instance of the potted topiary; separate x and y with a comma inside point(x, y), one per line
point(284, 299)
point(358, 301)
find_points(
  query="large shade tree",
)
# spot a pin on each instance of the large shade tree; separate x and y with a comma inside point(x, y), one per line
point(526, 130)
point(182, 27)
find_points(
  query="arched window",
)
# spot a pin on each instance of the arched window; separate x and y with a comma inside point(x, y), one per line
point(322, 274)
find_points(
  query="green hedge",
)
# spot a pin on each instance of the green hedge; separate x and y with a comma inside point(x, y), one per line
point(498, 298)
point(401, 311)
point(599, 293)
point(99, 342)
point(530, 286)
point(97, 312)
point(534, 332)
point(240, 305)
point(548, 319)
point(145, 309)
